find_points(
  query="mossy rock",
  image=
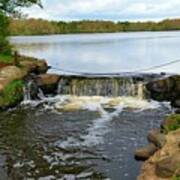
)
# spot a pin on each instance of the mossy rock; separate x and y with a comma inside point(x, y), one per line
point(12, 94)
point(171, 123)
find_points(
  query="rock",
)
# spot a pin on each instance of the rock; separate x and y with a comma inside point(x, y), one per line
point(157, 138)
point(34, 66)
point(10, 73)
point(70, 107)
point(161, 85)
point(166, 89)
point(166, 168)
point(176, 103)
point(48, 82)
point(177, 110)
point(177, 173)
point(164, 164)
point(145, 152)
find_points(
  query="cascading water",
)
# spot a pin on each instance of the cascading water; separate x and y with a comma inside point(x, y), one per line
point(32, 92)
point(103, 86)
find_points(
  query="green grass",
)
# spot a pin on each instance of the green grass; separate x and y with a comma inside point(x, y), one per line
point(7, 59)
point(12, 94)
point(173, 122)
point(176, 178)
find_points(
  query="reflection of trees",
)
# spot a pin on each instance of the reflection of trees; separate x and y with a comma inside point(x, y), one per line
point(34, 46)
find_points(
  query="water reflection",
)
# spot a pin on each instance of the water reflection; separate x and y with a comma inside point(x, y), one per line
point(105, 53)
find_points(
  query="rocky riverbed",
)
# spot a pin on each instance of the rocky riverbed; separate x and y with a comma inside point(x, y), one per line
point(163, 154)
point(165, 163)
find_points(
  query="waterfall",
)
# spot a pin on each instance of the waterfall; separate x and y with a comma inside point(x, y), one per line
point(32, 91)
point(102, 86)
point(27, 92)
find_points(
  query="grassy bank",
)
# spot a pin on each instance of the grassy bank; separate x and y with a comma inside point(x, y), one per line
point(7, 59)
point(12, 93)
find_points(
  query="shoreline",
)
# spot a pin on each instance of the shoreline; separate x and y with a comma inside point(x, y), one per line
point(92, 33)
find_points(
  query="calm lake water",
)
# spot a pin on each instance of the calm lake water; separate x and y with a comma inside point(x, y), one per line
point(104, 53)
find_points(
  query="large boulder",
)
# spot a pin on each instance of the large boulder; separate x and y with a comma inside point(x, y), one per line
point(35, 66)
point(9, 74)
point(48, 83)
point(167, 88)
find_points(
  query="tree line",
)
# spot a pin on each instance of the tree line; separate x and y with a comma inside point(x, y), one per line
point(42, 27)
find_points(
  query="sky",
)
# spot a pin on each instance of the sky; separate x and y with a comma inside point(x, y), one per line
point(115, 10)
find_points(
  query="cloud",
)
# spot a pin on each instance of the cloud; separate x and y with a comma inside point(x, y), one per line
point(106, 9)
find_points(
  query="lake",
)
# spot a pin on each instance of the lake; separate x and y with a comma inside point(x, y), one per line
point(104, 53)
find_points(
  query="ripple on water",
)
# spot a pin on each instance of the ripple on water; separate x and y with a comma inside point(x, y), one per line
point(95, 140)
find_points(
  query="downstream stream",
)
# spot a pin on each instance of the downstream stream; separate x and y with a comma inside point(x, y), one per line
point(70, 137)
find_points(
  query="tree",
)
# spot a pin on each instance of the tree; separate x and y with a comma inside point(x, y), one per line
point(9, 8)
point(4, 44)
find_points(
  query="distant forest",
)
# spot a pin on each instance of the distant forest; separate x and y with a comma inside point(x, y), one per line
point(42, 27)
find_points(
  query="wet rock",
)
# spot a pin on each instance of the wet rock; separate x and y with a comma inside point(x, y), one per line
point(31, 90)
point(145, 152)
point(157, 138)
point(176, 103)
point(166, 89)
point(167, 167)
point(48, 82)
point(161, 85)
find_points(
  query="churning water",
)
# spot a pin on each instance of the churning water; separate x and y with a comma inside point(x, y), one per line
point(79, 135)
point(76, 137)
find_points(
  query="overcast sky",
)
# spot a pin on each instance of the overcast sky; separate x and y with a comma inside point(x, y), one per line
point(116, 10)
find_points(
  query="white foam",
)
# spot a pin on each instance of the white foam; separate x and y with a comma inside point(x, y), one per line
point(99, 127)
